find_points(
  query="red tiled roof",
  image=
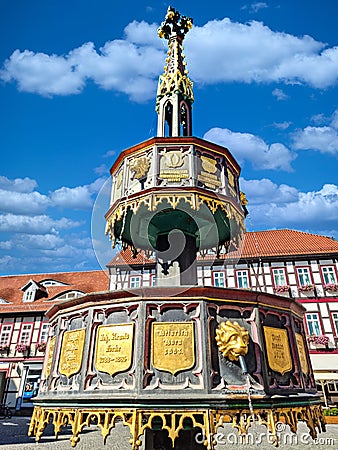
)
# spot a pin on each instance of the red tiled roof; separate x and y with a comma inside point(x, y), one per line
point(269, 243)
point(125, 258)
point(86, 282)
point(286, 243)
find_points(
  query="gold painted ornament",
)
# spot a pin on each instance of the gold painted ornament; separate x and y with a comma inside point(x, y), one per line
point(278, 349)
point(174, 158)
point(140, 167)
point(114, 348)
point(208, 164)
point(173, 346)
point(50, 354)
point(72, 352)
point(232, 340)
point(302, 353)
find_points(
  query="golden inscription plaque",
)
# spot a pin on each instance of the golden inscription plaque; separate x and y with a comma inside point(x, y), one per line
point(72, 352)
point(278, 350)
point(211, 181)
point(50, 353)
point(174, 176)
point(114, 348)
point(302, 353)
point(209, 164)
point(173, 348)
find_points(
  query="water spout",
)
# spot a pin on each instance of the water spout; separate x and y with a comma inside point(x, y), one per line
point(243, 365)
point(248, 385)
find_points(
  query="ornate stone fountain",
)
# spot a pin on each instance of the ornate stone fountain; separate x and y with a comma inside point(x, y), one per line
point(175, 359)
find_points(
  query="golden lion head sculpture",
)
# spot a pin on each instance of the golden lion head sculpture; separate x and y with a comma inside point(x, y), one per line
point(232, 340)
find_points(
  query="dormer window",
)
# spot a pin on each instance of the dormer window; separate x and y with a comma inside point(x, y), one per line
point(33, 291)
point(51, 282)
point(29, 296)
point(68, 295)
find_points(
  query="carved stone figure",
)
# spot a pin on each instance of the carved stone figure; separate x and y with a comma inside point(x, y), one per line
point(232, 340)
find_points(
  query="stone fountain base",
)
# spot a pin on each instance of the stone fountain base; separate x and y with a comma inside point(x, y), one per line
point(169, 360)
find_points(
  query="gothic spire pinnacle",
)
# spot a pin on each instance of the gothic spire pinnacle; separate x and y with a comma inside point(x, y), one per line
point(174, 92)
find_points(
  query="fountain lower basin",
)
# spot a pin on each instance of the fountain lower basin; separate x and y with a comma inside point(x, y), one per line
point(150, 358)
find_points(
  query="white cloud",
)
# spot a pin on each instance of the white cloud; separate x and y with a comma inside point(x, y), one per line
point(76, 198)
point(258, 191)
point(323, 139)
point(282, 125)
point(18, 184)
point(40, 224)
point(248, 147)
point(258, 5)
point(120, 65)
point(80, 197)
point(225, 51)
point(68, 251)
point(220, 51)
point(44, 74)
point(9, 263)
point(143, 33)
point(110, 153)
point(22, 202)
point(6, 245)
point(35, 239)
point(38, 241)
point(48, 253)
point(18, 197)
point(319, 119)
point(255, 7)
point(288, 208)
point(279, 94)
point(334, 120)
point(102, 169)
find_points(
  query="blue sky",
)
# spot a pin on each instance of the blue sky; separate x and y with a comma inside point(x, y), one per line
point(78, 83)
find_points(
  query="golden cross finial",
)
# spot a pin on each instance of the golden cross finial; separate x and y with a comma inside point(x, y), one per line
point(174, 25)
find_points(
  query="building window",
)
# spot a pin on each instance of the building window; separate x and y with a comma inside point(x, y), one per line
point(279, 277)
point(218, 279)
point(134, 281)
point(313, 323)
point(44, 330)
point(69, 295)
point(52, 283)
point(242, 279)
point(26, 332)
point(333, 387)
point(304, 276)
point(29, 295)
point(153, 280)
point(329, 275)
point(31, 385)
point(335, 322)
point(6, 334)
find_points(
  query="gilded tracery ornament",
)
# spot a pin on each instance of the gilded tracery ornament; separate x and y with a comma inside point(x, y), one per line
point(206, 420)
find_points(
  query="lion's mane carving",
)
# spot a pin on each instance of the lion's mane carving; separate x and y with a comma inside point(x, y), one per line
point(232, 340)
